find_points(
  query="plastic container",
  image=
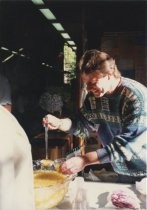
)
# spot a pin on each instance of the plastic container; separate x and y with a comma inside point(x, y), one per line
point(50, 186)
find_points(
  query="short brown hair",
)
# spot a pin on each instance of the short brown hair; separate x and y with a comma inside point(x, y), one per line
point(92, 61)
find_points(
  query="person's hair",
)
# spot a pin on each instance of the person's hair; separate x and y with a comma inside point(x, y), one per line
point(92, 60)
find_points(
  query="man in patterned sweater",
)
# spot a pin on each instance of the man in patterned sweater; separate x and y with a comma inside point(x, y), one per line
point(115, 108)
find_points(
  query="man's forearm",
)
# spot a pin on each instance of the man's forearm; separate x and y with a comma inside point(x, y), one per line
point(91, 158)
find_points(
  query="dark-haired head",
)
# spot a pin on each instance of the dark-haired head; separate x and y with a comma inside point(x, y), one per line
point(94, 60)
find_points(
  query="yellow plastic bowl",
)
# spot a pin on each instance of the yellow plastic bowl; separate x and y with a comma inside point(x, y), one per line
point(50, 187)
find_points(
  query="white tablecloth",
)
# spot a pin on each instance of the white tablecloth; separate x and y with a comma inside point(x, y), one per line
point(94, 195)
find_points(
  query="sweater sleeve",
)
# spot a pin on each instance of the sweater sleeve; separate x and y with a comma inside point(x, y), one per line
point(81, 127)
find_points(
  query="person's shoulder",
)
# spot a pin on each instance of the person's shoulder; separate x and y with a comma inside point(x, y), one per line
point(133, 84)
point(133, 90)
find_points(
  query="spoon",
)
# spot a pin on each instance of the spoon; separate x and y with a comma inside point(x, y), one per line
point(46, 142)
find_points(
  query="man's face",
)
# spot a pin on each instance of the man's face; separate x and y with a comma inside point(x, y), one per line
point(96, 83)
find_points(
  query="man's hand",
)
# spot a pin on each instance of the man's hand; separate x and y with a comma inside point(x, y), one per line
point(77, 164)
point(54, 123)
point(51, 122)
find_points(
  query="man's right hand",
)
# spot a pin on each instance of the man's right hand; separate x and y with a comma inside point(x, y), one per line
point(51, 122)
point(54, 123)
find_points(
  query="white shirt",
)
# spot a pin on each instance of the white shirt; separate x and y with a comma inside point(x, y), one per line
point(16, 171)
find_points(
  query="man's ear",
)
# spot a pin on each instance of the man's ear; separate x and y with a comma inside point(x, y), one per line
point(112, 64)
point(111, 67)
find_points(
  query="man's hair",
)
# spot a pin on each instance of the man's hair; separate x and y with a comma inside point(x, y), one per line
point(92, 60)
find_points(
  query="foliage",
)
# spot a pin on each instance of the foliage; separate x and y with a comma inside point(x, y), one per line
point(69, 64)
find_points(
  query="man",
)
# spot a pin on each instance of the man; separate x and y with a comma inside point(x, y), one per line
point(16, 169)
point(116, 109)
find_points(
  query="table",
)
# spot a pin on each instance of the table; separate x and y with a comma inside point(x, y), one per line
point(87, 195)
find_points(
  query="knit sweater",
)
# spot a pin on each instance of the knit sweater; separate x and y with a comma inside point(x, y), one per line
point(120, 122)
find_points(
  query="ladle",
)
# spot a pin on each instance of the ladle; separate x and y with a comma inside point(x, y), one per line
point(46, 142)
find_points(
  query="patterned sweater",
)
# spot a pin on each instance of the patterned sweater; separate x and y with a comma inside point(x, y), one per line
point(120, 122)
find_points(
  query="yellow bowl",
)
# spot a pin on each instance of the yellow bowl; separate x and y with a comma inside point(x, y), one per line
point(50, 187)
